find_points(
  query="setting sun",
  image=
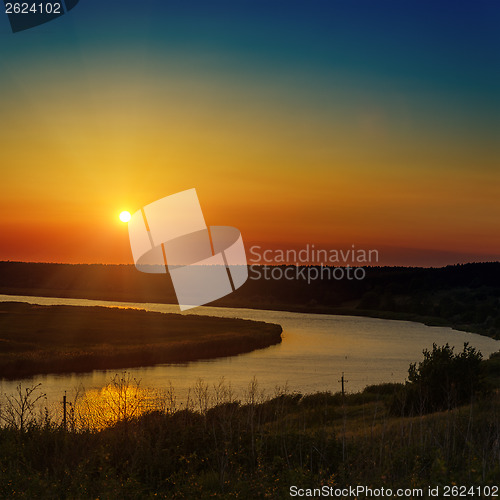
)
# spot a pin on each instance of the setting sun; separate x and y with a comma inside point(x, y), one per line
point(125, 216)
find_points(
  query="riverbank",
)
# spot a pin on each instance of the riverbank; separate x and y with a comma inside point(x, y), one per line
point(310, 308)
point(126, 441)
point(463, 297)
point(65, 339)
point(255, 449)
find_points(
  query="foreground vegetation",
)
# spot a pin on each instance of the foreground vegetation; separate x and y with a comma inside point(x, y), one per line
point(61, 339)
point(256, 447)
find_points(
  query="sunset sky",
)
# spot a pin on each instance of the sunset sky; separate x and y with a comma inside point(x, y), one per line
point(299, 122)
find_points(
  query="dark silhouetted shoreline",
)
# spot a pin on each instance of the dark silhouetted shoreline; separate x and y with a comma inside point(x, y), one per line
point(464, 297)
point(65, 339)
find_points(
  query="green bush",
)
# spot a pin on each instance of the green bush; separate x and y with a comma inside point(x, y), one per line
point(443, 380)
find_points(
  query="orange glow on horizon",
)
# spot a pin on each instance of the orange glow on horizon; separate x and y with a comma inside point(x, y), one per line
point(283, 176)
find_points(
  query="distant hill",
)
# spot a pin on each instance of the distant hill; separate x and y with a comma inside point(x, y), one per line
point(465, 296)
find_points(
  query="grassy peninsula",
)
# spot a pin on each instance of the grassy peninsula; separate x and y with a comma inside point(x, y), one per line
point(62, 339)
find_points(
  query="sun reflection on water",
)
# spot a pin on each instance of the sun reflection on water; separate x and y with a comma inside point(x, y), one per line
point(122, 400)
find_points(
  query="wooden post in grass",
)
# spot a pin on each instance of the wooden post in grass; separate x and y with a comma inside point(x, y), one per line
point(64, 410)
point(342, 379)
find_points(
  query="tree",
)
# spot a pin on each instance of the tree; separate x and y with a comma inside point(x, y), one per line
point(443, 379)
point(18, 410)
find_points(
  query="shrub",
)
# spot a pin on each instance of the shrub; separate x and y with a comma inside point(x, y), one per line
point(441, 381)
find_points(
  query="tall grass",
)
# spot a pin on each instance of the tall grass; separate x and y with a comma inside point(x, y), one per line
point(131, 442)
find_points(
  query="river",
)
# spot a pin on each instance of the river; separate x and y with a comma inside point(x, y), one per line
point(315, 351)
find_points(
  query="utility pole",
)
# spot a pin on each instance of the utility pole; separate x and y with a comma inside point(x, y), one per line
point(64, 410)
point(342, 379)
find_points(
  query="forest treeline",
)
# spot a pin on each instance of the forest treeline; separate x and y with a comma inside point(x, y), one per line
point(466, 296)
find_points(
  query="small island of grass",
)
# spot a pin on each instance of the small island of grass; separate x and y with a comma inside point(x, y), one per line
point(64, 339)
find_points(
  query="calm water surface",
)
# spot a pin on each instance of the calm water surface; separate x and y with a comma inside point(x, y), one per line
point(316, 349)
